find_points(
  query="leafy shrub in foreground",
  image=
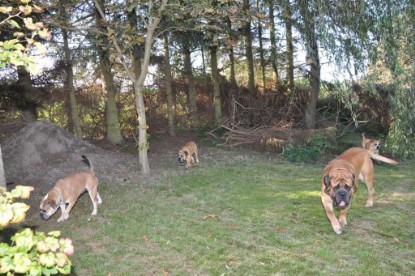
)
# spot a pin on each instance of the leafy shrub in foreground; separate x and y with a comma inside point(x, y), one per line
point(31, 253)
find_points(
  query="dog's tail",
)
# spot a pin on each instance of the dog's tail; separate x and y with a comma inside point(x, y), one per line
point(382, 158)
point(89, 163)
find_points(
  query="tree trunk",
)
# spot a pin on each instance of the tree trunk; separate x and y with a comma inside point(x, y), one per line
point(111, 112)
point(187, 71)
point(140, 72)
point(168, 81)
point(152, 24)
point(273, 41)
point(261, 50)
point(231, 56)
point(69, 87)
point(313, 60)
point(290, 48)
point(311, 110)
point(28, 103)
point(248, 49)
point(2, 174)
point(216, 85)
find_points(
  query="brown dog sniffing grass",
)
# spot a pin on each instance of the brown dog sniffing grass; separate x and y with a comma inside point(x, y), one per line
point(67, 190)
point(340, 181)
point(186, 154)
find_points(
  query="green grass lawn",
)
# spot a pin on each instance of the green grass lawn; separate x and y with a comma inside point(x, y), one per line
point(251, 216)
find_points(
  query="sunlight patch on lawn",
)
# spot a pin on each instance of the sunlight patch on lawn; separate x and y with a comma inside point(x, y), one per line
point(396, 175)
point(303, 194)
point(403, 196)
point(298, 194)
point(305, 180)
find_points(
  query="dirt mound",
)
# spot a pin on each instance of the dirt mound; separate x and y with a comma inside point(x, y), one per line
point(40, 153)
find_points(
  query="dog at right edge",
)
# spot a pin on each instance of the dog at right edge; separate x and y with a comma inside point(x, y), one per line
point(340, 181)
point(370, 144)
point(186, 154)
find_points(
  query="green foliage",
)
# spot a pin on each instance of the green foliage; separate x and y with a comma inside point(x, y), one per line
point(298, 153)
point(15, 50)
point(30, 253)
point(401, 137)
point(319, 144)
point(36, 254)
point(10, 210)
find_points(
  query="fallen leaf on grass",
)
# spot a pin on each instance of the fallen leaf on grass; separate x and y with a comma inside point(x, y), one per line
point(212, 216)
point(233, 227)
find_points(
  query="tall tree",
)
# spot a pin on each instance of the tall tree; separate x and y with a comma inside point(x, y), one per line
point(248, 46)
point(261, 47)
point(309, 13)
point(216, 84)
point(273, 40)
point(28, 100)
point(103, 47)
point(69, 83)
point(151, 21)
point(231, 52)
point(188, 74)
point(287, 18)
point(168, 84)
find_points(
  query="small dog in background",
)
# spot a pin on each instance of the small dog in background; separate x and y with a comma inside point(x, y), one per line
point(67, 190)
point(371, 145)
point(186, 154)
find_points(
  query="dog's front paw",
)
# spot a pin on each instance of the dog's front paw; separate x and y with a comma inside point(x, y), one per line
point(342, 222)
point(337, 229)
point(63, 217)
point(369, 203)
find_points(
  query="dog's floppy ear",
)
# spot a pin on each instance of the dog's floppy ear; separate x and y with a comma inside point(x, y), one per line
point(53, 204)
point(326, 180)
point(186, 153)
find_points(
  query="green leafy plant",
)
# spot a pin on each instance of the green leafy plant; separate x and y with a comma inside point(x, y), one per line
point(298, 153)
point(320, 143)
point(10, 210)
point(31, 253)
point(15, 50)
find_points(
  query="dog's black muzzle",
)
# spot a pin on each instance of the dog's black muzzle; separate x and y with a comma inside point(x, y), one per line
point(342, 196)
point(182, 159)
point(44, 215)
